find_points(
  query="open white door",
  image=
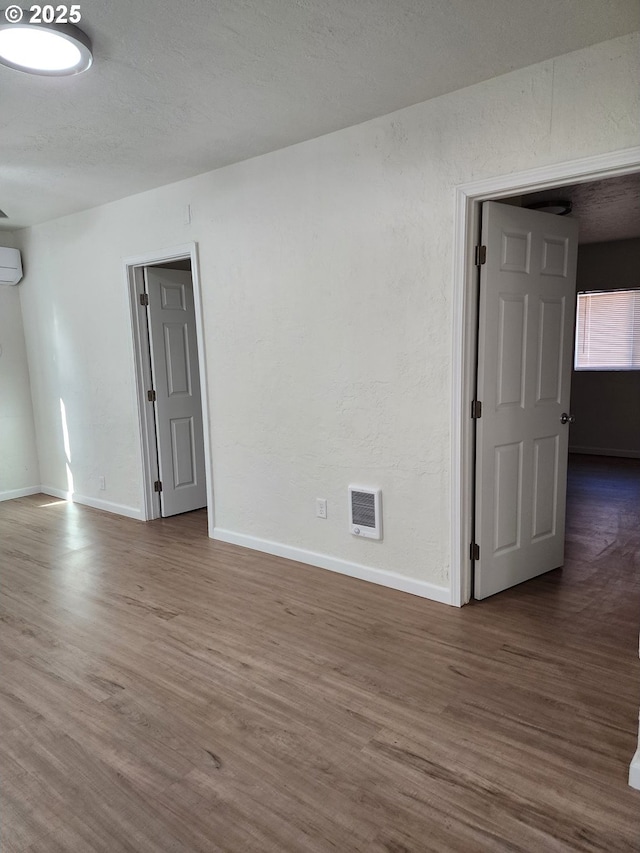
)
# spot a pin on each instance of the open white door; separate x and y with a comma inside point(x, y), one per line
point(525, 350)
point(176, 383)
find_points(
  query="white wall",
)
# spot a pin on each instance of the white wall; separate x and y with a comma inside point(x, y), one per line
point(327, 277)
point(606, 404)
point(18, 459)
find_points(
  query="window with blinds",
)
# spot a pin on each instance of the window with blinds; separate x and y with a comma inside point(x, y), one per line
point(608, 330)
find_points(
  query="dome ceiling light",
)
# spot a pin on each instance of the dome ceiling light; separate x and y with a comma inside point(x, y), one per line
point(52, 50)
point(560, 207)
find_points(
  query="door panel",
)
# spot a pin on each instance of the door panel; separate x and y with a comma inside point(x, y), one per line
point(551, 348)
point(508, 495)
point(545, 477)
point(174, 361)
point(513, 324)
point(183, 450)
point(525, 337)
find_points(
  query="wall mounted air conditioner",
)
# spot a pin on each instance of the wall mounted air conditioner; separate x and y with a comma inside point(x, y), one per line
point(10, 266)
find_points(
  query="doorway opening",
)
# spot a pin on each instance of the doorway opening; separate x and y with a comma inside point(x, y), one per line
point(469, 204)
point(170, 375)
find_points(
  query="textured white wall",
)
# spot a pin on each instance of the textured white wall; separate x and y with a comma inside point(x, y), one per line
point(18, 458)
point(327, 278)
point(606, 404)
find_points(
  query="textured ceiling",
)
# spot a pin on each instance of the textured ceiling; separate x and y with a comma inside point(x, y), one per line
point(605, 210)
point(178, 89)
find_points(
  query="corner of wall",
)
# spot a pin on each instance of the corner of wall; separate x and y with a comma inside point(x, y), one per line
point(19, 469)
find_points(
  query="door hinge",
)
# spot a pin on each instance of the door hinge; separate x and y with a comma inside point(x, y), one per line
point(144, 299)
point(474, 551)
point(481, 255)
point(157, 486)
point(476, 409)
point(151, 396)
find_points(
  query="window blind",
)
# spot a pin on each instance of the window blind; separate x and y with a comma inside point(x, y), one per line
point(608, 330)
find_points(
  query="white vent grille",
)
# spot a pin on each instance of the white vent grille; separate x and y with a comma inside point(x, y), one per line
point(364, 512)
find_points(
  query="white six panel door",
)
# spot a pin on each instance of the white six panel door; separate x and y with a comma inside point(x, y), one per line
point(525, 351)
point(176, 380)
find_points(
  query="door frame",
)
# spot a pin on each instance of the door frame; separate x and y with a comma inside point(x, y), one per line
point(469, 198)
point(134, 277)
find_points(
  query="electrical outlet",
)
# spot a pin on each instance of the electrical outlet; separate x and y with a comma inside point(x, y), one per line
point(321, 507)
point(101, 484)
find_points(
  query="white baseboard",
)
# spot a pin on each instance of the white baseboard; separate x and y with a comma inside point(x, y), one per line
point(606, 451)
point(96, 503)
point(403, 583)
point(634, 771)
point(12, 494)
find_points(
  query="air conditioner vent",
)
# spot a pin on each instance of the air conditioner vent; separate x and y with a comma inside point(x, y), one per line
point(364, 512)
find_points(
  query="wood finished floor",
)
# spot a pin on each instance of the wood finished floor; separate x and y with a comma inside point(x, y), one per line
point(163, 692)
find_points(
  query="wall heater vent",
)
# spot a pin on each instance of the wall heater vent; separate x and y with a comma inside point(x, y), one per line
point(365, 517)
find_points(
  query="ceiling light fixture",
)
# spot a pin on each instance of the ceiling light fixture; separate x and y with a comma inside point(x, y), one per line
point(560, 207)
point(52, 50)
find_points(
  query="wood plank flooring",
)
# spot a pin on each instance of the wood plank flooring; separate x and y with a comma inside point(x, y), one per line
point(163, 692)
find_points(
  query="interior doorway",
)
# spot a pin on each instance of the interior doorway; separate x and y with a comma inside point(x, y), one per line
point(174, 394)
point(605, 217)
point(469, 201)
point(170, 373)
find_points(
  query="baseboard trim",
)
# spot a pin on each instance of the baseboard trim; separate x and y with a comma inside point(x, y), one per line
point(12, 494)
point(634, 771)
point(95, 503)
point(606, 451)
point(441, 594)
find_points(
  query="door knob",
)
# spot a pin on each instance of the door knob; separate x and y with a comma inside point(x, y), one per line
point(567, 419)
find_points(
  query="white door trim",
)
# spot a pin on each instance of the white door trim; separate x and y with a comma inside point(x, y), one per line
point(133, 268)
point(149, 453)
point(468, 200)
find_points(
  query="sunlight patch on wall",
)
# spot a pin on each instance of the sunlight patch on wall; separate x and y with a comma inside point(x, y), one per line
point(67, 446)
